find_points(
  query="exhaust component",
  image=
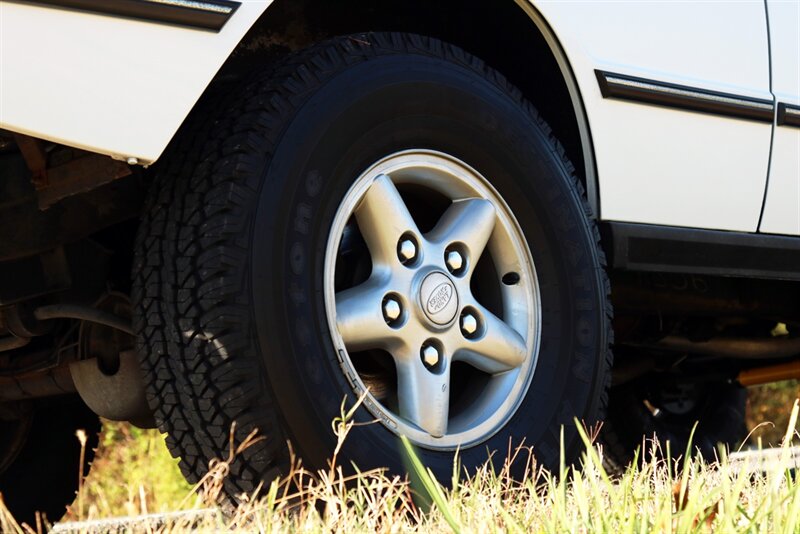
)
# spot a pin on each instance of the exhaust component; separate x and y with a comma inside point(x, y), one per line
point(119, 396)
point(771, 373)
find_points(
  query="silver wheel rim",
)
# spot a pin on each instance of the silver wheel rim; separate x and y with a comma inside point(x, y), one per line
point(461, 365)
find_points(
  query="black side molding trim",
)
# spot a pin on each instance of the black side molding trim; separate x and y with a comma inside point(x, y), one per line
point(203, 14)
point(671, 95)
point(788, 115)
point(644, 247)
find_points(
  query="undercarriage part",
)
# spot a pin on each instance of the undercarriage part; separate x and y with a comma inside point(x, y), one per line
point(7, 143)
point(83, 313)
point(77, 272)
point(15, 424)
point(56, 177)
point(54, 382)
point(119, 396)
point(33, 150)
point(107, 376)
point(705, 414)
point(731, 347)
point(13, 342)
point(78, 176)
point(771, 373)
point(34, 359)
point(47, 272)
point(20, 331)
point(632, 369)
point(25, 230)
point(102, 365)
point(701, 296)
point(104, 342)
point(21, 323)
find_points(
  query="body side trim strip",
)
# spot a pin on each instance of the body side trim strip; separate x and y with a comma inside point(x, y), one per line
point(202, 14)
point(652, 248)
point(626, 87)
point(788, 115)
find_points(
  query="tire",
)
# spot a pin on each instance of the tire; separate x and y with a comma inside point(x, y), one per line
point(43, 476)
point(641, 411)
point(231, 278)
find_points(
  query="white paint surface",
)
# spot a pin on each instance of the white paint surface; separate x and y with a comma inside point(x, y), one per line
point(123, 87)
point(107, 84)
point(782, 208)
point(663, 166)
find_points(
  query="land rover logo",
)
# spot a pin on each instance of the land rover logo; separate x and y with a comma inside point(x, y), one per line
point(438, 298)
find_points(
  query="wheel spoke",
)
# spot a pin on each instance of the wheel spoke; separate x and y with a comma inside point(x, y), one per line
point(469, 222)
point(424, 396)
point(383, 218)
point(359, 317)
point(499, 348)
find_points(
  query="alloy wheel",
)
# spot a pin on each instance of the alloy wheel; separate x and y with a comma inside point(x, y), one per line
point(440, 331)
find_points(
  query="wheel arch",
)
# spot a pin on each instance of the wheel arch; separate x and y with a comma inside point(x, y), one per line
point(136, 90)
point(514, 38)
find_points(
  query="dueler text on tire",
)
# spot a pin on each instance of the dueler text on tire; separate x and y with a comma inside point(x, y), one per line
point(380, 212)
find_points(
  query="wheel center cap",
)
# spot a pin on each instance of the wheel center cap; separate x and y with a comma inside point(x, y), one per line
point(438, 298)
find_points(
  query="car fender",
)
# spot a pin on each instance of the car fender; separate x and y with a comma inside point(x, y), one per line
point(114, 85)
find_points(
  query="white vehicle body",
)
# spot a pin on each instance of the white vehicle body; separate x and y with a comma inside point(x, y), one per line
point(782, 208)
point(122, 87)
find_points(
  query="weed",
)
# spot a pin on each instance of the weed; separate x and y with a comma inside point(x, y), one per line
point(650, 496)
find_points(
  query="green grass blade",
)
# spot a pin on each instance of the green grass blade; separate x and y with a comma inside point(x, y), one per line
point(430, 484)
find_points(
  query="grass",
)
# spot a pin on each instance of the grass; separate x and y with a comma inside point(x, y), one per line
point(767, 411)
point(133, 475)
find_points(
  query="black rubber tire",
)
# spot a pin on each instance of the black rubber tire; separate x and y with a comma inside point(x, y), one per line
point(44, 476)
point(630, 425)
point(228, 270)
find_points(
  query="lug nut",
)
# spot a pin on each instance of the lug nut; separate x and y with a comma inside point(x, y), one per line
point(407, 251)
point(454, 261)
point(430, 355)
point(469, 325)
point(391, 310)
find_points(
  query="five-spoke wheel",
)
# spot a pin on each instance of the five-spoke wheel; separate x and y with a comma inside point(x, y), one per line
point(457, 287)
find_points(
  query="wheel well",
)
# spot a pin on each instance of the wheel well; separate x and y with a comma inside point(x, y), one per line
point(507, 39)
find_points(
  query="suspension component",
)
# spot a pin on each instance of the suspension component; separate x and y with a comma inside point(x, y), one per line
point(119, 396)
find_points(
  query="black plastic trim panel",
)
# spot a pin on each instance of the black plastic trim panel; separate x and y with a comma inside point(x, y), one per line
point(788, 115)
point(644, 247)
point(203, 14)
point(671, 95)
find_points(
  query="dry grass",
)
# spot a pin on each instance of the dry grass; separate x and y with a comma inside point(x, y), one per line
point(691, 497)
